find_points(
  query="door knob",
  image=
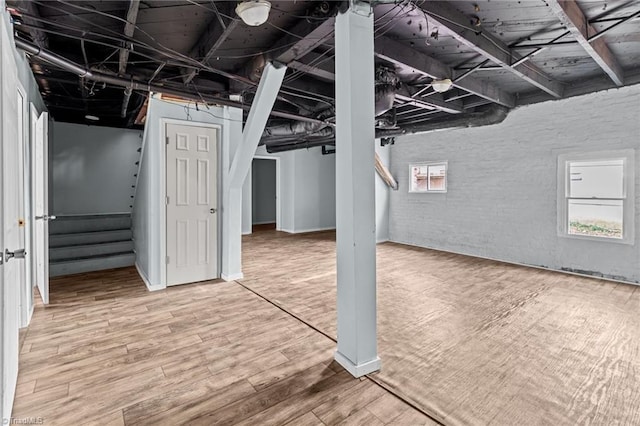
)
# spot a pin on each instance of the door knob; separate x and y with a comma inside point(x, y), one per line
point(212, 211)
point(45, 217)
point(18, 254)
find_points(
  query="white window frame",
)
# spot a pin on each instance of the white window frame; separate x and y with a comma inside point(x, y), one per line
point(628, 156)
point(429, 164)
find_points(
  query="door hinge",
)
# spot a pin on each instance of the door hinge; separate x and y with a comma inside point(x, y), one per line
point(167, 260)
point(167, 138)
point(1, 258)
point(167, 200)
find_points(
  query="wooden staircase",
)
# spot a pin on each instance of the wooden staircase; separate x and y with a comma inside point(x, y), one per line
point(90, 243)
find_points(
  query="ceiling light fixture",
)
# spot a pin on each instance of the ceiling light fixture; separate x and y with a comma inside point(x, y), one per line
point(92, 117)
point(254, 12)
point(441, 86)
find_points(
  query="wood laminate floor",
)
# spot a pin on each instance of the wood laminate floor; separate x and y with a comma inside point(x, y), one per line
point(108, 352)
point(473, 341)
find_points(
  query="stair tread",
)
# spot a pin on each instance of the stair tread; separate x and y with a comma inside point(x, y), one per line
point(94, 216)
point(57, 234)
point(100, 244)
point(98, 256)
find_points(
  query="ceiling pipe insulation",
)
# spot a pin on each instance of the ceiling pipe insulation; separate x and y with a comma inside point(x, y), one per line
point(293, 131)
point(133, 84)
point(492, 115)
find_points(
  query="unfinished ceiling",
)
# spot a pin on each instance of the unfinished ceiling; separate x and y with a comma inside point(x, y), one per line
point(101, 58)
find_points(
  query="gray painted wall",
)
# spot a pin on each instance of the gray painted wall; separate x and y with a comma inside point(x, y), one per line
point(501, 201)
point(263, 197)
point(93, 168)
point(307, 190)
point(315, 190)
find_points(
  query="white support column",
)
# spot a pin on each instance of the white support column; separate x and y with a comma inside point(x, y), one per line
point(355, 191)
point(266, 94)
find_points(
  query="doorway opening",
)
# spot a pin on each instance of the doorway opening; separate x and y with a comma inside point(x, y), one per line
point(265, 205)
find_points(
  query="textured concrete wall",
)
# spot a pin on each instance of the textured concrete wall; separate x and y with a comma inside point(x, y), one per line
point(502, 184)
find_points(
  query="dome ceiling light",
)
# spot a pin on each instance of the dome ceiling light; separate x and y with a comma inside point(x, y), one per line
point(441, 86)
point(254, 12)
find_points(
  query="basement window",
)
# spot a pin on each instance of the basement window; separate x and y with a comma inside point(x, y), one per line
point(596, 195)
point(428, 177)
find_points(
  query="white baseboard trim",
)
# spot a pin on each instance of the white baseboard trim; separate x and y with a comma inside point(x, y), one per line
point(360, 369)
point(146, 280)
point(232, 277)
point(527, 265)
point(383, 240)
point(306, 231)
point(264, 222)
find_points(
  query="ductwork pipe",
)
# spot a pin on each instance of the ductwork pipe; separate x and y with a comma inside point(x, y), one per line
point(300, 145)
point(138, 85)
point(295, 128)
point(493, 115)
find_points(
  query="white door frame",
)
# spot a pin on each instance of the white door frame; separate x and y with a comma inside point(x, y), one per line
point(278, 198)
point(41, 251)
point(163, 190)
point(33, 119)
point(26, 289)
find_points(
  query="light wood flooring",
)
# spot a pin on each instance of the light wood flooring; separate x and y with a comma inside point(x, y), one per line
point(469, 341)
point(108, 352)
point(473, 341)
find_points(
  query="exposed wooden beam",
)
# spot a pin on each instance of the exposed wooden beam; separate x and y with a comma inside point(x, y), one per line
point(404, 56)
point(303, 37)
point(573, 18)
point(433, 101)
point(491, 47)
point(129, 28)
point(210, 41)
point(316, 71)
point(318, 65)
point(325, 71)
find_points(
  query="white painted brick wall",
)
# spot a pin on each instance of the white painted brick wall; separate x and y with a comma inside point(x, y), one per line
point(501, 201)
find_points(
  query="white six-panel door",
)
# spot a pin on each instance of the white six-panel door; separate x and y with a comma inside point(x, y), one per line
point(192, 203)
point(41, 206)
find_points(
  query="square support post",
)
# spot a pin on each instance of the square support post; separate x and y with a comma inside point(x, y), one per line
point(355, 191)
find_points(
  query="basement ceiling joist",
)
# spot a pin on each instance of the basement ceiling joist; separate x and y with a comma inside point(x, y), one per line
point(488, 45)
point(212, 38)
point(573, 18)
